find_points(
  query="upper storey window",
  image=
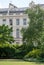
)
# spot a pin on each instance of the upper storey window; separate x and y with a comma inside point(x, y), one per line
point(10, 13)
point(11, 22)
point(17, 21)
point(3, 12)
point(17, 33)
point(4, 21)
point(17, 13)
point(24, 21)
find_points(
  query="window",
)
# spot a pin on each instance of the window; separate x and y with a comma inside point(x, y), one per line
point(11, 34)
point(17, 33)
point(10, 13)
point(4, 21)
point(17, 13)
point(24, 21)
point(3, 12)
point(17, 42)
point(17, 22)
point(10, 22)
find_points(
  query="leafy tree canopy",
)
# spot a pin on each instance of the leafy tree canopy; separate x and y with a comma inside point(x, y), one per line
point(5, 34)
point(33, 33)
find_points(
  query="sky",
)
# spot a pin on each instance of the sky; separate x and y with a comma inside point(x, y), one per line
point(18, 3)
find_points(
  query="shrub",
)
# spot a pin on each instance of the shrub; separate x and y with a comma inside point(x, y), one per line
point(7, 51)
point(35, 53)
point(20, 51)
point(12, 51)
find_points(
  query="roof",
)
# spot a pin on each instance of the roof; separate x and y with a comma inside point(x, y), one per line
point(10, 4)
point(13, 10)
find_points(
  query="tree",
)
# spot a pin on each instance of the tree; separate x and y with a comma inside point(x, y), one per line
point(5, 34)
point(32, 34)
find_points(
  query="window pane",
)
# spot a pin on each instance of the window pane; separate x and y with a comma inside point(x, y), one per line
point(24, 21)
point(11, 34)
point(17, 22)
point(17, 33)
point(4, 21)
point(17, 42)
point(10, 22)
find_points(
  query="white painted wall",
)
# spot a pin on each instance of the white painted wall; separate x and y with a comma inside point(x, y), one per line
point(14, 17)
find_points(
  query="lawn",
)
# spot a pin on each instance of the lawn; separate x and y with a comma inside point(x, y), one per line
point(14, 62)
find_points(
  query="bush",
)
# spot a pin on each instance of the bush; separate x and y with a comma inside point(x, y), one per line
point(20, 51)
point(12, 51)
point(35, 53)
point(7, 51)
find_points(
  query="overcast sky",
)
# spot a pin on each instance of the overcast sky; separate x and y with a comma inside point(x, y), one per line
point(18, 3)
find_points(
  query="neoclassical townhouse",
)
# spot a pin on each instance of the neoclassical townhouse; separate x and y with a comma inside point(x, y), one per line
point(16, 18)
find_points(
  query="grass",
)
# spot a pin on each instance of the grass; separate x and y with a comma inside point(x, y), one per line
point(16, 62)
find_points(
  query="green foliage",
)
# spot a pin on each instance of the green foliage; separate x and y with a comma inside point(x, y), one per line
point(12, 51)
point(5, 34)
point(33, 33)
point(35, 53)
point(20, 52)
point(7, 51)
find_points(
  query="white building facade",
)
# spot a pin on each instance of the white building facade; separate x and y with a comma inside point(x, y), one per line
point(16, 18)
